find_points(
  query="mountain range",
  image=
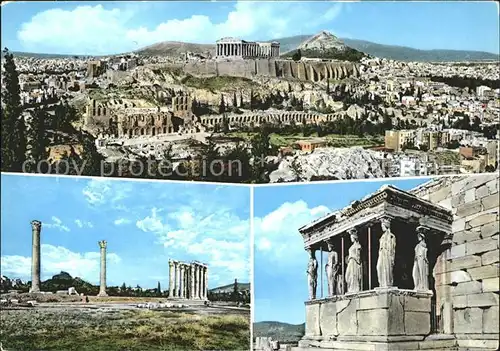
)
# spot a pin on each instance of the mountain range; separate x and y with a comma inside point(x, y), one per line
point(287, 44)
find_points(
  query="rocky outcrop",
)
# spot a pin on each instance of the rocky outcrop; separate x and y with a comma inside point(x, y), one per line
point(322, 41)
point(329, 163)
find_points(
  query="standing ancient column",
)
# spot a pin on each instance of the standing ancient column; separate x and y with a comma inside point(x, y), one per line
point(36, 227)
point(176, 279)
point(200, 281)
point(191, 270)
point(102, 285)
point(206, 282)
point(202, 293)
point(171, 278)
point(182, 285)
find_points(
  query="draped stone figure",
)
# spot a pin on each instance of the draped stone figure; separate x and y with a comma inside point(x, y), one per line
point(354, 273)
point(421, 263)
point(386, 254)
point(331, 268)
point(312, 274)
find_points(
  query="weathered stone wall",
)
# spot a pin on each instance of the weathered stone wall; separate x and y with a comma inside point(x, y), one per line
point(286, 117)
point(312, 71)
point(467, 274)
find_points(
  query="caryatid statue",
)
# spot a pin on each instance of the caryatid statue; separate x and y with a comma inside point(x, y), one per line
point(312, 273)
point(354, 271)
point(421, 263)
point(386, 254)
point(331, 269)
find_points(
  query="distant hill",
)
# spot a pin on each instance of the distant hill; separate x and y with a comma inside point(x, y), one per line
point(64, 281)
point(230, 287)
point(175, 48)
point(325, 45)
point(282, 332)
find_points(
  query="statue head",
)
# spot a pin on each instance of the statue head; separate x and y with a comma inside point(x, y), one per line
point(421, 231)
point(353, 234)
point(311, 252)
point(330, 246)
point(385, 223)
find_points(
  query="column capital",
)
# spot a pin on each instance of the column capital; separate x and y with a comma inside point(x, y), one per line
point(102, 244)
point(36, 224)
point(422, 230)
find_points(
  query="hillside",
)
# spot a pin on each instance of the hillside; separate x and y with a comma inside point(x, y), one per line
point(402, 53)
point(282, 332)
point(64, 281)
point(230, 287)
point(176, 48)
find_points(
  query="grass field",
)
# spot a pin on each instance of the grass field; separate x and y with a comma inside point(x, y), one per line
point(91, 330)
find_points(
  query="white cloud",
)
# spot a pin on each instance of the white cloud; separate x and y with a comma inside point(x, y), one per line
point(82, 224)
point(277, 235)
point(104, 191)
point(121, 221)
point(55, 259)
point(57, 224)
point(220, 238)
point(98, 30)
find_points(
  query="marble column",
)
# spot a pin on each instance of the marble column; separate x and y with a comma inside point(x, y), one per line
point(183, 281)
point(102, 286)
point(171, 278)
point(195, 278)
point(200, 282)
point(36, 227)
point(206, 282)
point(191, 273)
point(177, 274)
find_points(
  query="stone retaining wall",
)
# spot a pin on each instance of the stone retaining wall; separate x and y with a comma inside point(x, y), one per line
point(310, 71)
point(467, 275)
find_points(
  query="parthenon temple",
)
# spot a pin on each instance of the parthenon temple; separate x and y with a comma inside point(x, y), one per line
point(380, 252)
point(188, 280)
point(233, 47)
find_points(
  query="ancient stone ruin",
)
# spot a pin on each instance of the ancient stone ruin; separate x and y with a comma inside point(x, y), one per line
point(36, 227)
point(102, 281)
point(237, 48)
point(407, 270)
point(188, 280)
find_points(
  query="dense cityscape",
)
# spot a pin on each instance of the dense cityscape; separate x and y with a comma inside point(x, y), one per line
point(298, 118)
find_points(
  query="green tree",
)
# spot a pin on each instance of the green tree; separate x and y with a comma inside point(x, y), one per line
point(297, 55)
point(13, 125)
point(37, 139)
point(158, 289)
point(222, 105)
point(261, 147)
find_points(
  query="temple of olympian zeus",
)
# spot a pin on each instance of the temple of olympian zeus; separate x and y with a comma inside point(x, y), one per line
point(237, 48)
point(188, 280)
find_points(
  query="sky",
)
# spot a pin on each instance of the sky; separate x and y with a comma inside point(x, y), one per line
point(280, 261)
point(94, 28)
point(144, 223)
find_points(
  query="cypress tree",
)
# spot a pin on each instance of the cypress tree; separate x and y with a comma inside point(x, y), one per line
point(37, 138)
point(13, 126)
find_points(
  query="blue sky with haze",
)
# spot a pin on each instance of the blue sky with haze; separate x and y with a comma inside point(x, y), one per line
point(280, 260)
point(113, 27)
point(145, 224)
